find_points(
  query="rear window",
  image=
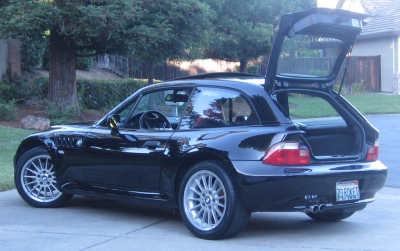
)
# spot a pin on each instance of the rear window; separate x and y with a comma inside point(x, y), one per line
point(310, 56)
point(312, 110)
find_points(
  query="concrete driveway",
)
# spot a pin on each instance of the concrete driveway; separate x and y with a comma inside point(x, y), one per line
point(92, 224)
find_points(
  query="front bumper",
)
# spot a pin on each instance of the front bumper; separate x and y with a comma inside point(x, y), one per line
point(267, 188)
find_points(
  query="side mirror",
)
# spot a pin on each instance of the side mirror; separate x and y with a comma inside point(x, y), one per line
point(114, 121)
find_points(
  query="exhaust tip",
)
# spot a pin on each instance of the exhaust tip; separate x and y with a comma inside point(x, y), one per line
point(314, 209)
point(322, 208)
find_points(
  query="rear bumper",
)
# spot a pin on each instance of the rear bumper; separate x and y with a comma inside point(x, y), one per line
point(286, 189)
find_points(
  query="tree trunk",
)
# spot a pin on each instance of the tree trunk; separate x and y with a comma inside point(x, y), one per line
point(243, 65)
point(62, 76)
point(150, 71)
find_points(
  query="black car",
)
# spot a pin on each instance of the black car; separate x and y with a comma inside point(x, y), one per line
point(223, 145)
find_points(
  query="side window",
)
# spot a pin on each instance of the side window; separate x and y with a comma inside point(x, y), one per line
point(212, 107)
point(166, 104)
point(302, 110)
point(125, 111)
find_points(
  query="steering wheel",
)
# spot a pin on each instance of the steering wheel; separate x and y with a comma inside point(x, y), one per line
point(153, 119)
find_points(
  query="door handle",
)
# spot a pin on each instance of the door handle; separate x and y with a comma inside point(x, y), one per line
point(152, 144)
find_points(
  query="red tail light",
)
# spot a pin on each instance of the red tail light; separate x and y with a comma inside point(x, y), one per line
point(373, 152)
point(287, 153)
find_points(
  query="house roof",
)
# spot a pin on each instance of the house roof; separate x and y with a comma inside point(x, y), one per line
point(385, 21)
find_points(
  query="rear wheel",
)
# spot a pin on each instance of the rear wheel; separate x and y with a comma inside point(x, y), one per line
point(210, 204)
point(35, 181)
point(330, 217)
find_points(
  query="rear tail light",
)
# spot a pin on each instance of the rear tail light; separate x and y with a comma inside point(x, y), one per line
point(373, 152)
point(287, 153)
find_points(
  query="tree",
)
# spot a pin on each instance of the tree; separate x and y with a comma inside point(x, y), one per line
point(244, 30)
point(177, 30)
point(73, 27)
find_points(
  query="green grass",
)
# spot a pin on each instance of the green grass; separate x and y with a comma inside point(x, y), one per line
point(372, 103)
point(9, 141)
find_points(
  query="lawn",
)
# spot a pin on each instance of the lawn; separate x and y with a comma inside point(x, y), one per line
point(371, 103)
point(9, 141)
point(374, 103)
point(366, 103)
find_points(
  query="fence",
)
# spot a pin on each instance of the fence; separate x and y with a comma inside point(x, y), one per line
point(360, 69)
point(131, 68)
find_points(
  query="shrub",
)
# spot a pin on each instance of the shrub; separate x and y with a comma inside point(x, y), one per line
point(13, 90)
point(7, 110)
point(344, 89)
point(358, 88)
point(95, 93)
point(106, 93)
point(59, 116)
point(252, 69)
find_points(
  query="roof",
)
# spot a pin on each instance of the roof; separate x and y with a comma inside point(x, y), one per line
point(386, 18)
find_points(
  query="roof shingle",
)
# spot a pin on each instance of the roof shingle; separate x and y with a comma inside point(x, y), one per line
point(386, 19)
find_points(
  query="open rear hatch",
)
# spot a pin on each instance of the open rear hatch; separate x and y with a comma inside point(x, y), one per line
point(309, 50)
point(310, 47)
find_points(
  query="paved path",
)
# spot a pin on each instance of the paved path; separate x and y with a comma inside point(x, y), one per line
point(92, 224)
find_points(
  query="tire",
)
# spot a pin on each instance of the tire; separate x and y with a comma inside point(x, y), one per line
point(211, 211)
point(35, 181)
point(329, 217)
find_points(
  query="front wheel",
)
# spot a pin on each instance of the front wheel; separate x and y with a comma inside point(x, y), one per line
point(210, 204)
point(329, 217)
point(35, 181)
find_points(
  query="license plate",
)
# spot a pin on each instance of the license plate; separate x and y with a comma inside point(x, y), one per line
point(347, 190)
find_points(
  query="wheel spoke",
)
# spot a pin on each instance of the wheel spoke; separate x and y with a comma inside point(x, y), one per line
point(199, 213)
point(195, 191)
point(209, 218)
point(204, 182)
point(195, 207)
point(32, 182)
point(46, 165)
point(219, 190)
point(33, 164)
point(199, 185)
point(214, 215)
point(219, 204)
point(30, 170)
point(203, 218)
point(218, 211)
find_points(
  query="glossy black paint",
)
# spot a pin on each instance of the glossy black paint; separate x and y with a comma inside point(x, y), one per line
point(149, 165)
point(97, 161)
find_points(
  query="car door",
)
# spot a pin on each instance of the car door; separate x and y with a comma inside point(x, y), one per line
point(129, 158)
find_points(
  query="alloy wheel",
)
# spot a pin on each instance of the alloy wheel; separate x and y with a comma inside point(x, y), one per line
point(38, 180)
point(205, 200)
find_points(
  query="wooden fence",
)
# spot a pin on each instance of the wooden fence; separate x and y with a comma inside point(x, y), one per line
point(360, 69)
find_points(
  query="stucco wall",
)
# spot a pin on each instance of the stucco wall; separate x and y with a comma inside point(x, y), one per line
point(3, 58)
point(383, 47)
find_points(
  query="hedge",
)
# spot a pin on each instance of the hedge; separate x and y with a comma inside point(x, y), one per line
point(97, 93)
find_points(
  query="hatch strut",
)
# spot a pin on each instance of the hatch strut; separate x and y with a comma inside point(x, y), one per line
point(345, 71)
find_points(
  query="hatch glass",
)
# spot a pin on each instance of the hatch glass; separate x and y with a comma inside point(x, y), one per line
point(309, 56)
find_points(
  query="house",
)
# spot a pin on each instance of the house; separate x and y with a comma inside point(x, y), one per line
point(380, 37)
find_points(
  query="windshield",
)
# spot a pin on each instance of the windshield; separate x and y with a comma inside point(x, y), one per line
point(310, 56)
